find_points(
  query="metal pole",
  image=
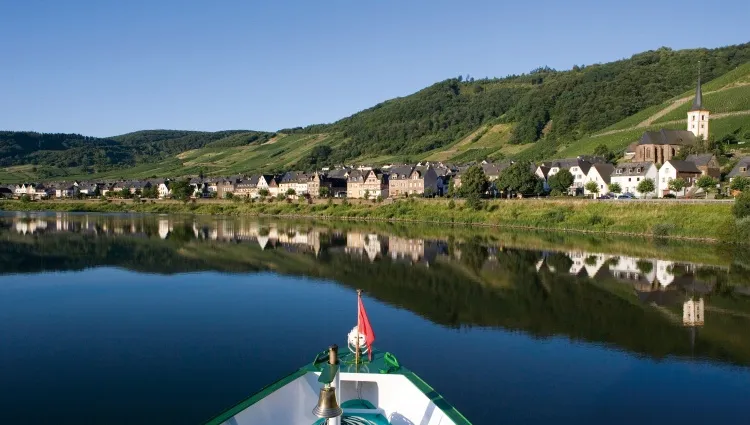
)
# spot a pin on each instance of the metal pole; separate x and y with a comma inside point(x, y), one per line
point(333, 359)
point(356, 346)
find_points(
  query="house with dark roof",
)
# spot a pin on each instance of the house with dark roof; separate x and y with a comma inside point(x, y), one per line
point(674, 169)
point(368, 184)
point(247, 187)
point(412, 180)
point(741, 169)
point(707, 163)
point(601, 174)
point(629, 174)
point(6, 192)
point(270, 183)
point(579, 167)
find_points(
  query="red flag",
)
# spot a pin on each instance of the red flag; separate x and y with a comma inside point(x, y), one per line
point(363, 325)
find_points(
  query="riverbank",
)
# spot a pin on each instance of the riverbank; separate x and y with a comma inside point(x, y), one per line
point(700, 221)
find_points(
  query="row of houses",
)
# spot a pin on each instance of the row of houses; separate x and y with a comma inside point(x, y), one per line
point(628, 175)
point(394, 181)
point(358, 183)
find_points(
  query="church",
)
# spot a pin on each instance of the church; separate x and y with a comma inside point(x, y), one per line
point(661, 146)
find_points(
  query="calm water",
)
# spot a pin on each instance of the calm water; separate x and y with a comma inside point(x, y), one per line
point(123, 319)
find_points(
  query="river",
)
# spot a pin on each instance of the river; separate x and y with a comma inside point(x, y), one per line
point(123, 319)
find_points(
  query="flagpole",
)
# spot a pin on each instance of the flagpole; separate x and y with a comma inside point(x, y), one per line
point(356, 349)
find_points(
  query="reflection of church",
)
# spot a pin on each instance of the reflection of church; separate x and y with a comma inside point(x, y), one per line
point(692, 312)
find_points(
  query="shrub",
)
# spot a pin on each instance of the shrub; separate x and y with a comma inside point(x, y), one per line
point(670, 196)
point(645, 266)
point(661, 230)
point(474, 202)
point(451, 204)
point(741, 208)
point(742, 230)
point(556, 215)
point(597, 219)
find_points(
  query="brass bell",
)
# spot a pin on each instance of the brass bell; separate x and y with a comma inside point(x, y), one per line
point(327, 406)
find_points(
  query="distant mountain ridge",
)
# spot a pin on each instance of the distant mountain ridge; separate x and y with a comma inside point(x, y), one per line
point(537, 115)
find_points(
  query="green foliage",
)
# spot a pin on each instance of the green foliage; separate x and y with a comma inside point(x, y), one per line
point(645, 266)
point(604, 152)
point(124, 193)
point(741, 208)
point(615, 188)
point(728, 100)
point(451, 204)
point(91, 154)
point(290, 192)
point(740, 183)
point(661, 230)
point(600, 95)
point(263, 193)
point(474, 202)
point(150, 192)
point(324, 192)
point(318, 157)
point(25, 198)
point(555, 215)
point(228, 195)
point(181, 189)
point(473, 182)
point(646, 186)
point(592, 187)
point(518, 178)
point(561, 181)
point(429, 119)
point(677, 184)
point(706, 183)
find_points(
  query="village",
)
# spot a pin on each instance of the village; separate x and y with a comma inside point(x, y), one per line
point(649, 168)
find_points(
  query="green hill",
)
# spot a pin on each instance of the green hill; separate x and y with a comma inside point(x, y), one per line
point(542, 114)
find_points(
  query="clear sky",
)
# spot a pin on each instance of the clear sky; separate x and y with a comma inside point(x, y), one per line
point(102, 67)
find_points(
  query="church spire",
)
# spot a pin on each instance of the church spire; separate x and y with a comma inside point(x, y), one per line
point(698, 101)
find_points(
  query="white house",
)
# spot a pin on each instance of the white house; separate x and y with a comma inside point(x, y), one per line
point(629, 174)
point(163, 189)
point(269, 183)
point(542, 171)
point(674, 169)
point(601, 175)
point(578, 167)
point(65, 191)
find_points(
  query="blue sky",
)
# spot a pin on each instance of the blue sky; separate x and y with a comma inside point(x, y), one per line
point(104, 67)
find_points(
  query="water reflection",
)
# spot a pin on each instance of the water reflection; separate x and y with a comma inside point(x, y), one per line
point(658, 303)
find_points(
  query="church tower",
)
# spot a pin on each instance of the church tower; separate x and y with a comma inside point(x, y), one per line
point(698, 115)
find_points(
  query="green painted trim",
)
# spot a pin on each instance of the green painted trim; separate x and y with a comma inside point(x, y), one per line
point(328, 373)
point(435, 397)
point(421, 385)
point(263, 393)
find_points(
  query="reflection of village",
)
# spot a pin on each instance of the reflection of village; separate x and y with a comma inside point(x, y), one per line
point(656, 282)
point(664, 284)
point(266, 235)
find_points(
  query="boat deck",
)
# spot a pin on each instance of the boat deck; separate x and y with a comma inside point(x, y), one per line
point(359, 419)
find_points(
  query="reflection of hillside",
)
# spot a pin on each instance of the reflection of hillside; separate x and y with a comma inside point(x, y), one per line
point(633, 303)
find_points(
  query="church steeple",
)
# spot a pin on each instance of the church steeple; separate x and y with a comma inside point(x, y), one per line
point(698, 101)
point(697, 116)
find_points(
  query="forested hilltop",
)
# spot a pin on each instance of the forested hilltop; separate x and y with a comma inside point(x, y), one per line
point(532, 116)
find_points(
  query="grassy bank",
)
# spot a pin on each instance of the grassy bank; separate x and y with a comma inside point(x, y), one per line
point(665, 219)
